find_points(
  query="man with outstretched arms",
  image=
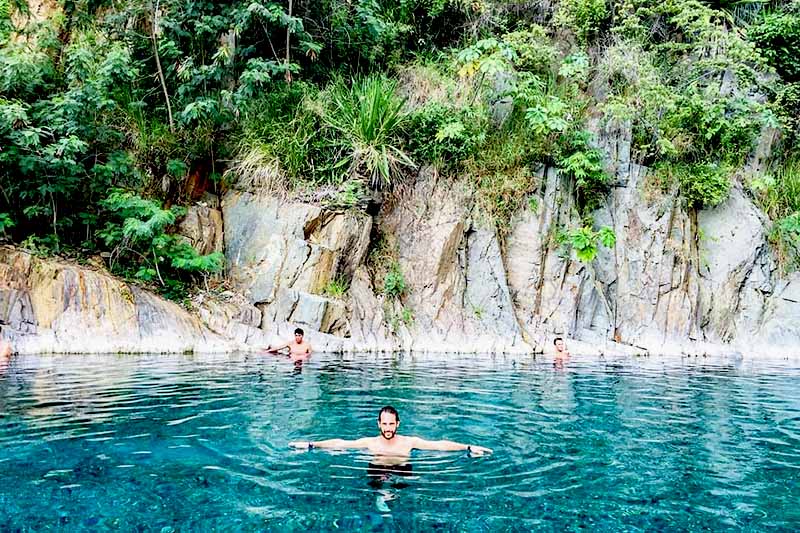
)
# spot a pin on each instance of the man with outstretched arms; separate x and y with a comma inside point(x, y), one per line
point(389, 446)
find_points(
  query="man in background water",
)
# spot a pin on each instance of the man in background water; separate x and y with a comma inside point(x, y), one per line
point(562, 354)
point(299, 349)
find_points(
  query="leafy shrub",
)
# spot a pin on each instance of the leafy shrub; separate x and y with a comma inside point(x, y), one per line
point(136, 231)
point(445, 135)
point(534, 49)
point(787, 109)
point(365, 122)
point(547, 116)
point(575, 68)
point(500, 173)
point(584, 241)
point(365, 35)
point(6, 222)
point(336, 288)
point(778, 194)
point(407, 316)
point(785, 237)
point(394, 283)
point(697, 127)
point(279, 146)
point(700, 184)
point(584, 17)
point(777, 35)
point(584, 165)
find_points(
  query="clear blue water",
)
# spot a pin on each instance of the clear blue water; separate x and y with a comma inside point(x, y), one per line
point(182, 443)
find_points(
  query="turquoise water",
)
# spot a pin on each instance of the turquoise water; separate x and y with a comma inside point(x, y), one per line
point(182, 443)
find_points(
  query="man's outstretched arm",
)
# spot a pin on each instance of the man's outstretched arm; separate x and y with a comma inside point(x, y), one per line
point(336, 444)
point(275, 349)
point(448, 446)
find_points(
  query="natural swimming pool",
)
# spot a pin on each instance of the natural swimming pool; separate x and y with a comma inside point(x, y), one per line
point(187, 443)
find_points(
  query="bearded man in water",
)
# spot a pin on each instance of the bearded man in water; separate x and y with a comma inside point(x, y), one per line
point(390, 449)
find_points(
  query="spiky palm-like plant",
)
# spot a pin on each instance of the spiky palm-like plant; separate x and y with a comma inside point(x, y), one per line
point(365, 122)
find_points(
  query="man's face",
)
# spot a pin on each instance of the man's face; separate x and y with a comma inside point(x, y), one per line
point(388, 425)
point(560, 345)
point(298, 338)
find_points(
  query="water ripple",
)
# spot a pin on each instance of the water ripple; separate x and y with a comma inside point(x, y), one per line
point(183, 442)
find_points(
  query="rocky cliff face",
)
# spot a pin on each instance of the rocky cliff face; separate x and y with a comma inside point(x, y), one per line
point(677, 281)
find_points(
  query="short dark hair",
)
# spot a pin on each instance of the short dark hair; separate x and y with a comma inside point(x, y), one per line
point(557, 339)
point(391, 410)
point(298, 330)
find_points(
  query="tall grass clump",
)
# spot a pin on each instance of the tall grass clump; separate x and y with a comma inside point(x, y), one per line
point(277, 146)
point(364, 124)
point(779, 196)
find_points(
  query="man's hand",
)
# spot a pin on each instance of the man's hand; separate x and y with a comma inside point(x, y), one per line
point(479, 450)
point(299, 444)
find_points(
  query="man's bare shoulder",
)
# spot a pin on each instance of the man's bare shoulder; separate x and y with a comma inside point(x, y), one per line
point(411, 441)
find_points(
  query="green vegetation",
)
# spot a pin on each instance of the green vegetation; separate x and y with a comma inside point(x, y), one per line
point(779, 196)
point(135, 232)
point(394, 282)
point(584, 17)
point(337, 287)
point(364, 121)
point(112, 113)
point(585, 241)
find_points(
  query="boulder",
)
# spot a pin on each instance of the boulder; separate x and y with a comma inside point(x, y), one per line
point(202, 228)
point(281, 255)
point(48, 306)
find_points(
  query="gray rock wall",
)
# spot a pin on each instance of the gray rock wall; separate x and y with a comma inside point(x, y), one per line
point(677, 281)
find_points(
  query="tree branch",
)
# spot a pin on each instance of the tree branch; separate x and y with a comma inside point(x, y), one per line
point(158, 66)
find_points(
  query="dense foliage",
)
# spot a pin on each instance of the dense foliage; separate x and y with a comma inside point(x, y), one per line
point(114, 113)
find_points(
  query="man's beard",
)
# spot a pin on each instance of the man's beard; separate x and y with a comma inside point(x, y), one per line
point(390, 434)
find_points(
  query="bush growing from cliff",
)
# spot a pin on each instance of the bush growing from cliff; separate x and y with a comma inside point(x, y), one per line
point(279, 146)
point(446, 135)
point(364, 123)
point(777, 36)
point(584, 165)
point(785, 236)
point(136, 231)
point(585, 241)
point(336, 288)
point(501, 174)
point(584, 17)
point(701, 185)
point(778, 194)
point(394, 282)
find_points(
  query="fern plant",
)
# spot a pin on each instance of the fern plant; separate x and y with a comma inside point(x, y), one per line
point(136, 231)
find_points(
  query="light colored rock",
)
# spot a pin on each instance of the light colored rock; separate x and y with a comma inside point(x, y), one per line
point(368, 324)
point(544, 283)
point(735, 265)
point(487, 295)
point(325, 315)
point(202, 229)
point(780, 329)
point(232, 317)
point(445, 263)
point(281, 255)
point(52, 307)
